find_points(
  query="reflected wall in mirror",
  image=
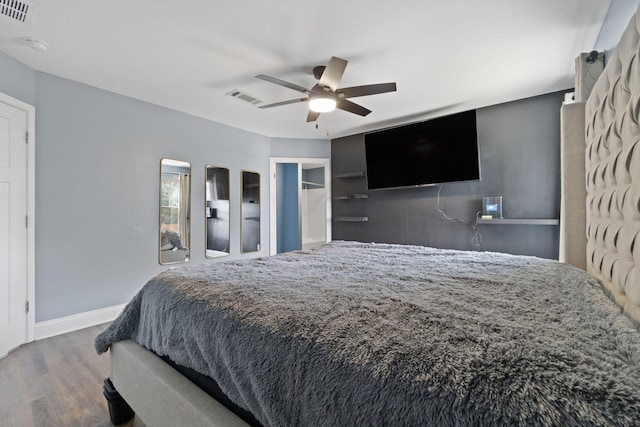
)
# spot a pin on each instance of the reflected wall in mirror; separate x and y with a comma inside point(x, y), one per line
point(217, 211)
point(250, 212)
point(175, 211)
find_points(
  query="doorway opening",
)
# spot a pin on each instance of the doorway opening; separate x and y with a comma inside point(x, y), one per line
point(300, 203)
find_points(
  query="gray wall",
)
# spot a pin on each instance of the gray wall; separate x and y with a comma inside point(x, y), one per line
point(519, 159)
point(98, 158)
point(97, 179)
point(617, 19)
point(17, 80)
point(312, 148)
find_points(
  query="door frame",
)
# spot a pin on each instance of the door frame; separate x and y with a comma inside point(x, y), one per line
point(273, 220)
point(31, 208)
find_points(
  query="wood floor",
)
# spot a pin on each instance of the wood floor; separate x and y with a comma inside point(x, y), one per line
point(55, 382)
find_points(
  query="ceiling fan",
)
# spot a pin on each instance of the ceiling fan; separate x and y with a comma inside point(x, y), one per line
point(325, 95)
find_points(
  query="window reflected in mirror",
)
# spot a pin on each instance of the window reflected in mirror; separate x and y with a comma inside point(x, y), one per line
point(250, 212)
point(175, 211)
point(217, 226)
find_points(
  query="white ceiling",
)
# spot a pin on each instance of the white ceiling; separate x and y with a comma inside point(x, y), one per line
point(445, 56)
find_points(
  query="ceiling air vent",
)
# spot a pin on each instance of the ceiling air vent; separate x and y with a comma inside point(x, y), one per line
point(244, 96)
point(17, 10)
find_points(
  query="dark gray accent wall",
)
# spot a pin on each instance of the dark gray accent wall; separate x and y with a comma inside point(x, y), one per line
point(520, 160)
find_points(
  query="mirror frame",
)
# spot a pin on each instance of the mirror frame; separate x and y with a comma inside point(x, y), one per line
point(187, 237)
point(207, 215)
point(242, 218)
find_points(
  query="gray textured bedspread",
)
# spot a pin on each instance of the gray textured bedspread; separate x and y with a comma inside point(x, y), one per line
point(377, 334)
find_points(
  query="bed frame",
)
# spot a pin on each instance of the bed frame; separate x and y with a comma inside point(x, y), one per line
point(163, 397)
point(160, 395)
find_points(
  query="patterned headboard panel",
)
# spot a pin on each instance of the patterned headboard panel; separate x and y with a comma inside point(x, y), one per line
point(613, 173)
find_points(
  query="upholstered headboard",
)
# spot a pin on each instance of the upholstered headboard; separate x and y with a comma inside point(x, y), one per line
point(612, 118)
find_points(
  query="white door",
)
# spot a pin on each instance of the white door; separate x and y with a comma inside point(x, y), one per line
point(13, 228)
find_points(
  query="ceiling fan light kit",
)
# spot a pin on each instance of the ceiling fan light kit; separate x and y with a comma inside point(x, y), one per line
point(322, 104)
point(325, 96)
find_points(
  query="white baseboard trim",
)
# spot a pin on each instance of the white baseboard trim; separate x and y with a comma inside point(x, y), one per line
point(62, 325)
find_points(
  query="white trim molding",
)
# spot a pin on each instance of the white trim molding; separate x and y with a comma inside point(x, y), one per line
point(31, 207)
point(62, 325)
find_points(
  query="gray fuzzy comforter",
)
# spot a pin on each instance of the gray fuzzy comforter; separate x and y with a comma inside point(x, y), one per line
point(377, 334)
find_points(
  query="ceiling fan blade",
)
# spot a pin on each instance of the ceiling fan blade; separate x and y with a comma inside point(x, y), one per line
point(355, 91)
point(333, 73)
point(277, 104)
point(312, 116)
point(352, 107)
point(283, 83)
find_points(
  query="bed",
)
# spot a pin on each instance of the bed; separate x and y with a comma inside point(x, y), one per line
point(376, 334)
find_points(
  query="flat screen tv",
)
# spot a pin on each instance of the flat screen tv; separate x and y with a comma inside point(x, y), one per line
point(431, 152)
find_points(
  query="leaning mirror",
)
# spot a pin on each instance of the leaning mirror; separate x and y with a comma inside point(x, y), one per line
point(217, 211)
point(250, 212)
point(175, 211)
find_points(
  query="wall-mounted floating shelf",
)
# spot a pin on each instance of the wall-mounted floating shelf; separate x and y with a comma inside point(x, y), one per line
point(350, 186)
point(352, 218)
point(359, 174)
point(351, 196)
point(518, 221)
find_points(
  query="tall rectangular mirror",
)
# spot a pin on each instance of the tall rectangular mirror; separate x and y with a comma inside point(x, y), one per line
point(217, 211)
point(175, 211)
point(250, 212)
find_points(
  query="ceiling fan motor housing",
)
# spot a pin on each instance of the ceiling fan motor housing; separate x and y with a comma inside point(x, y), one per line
point(317, 71)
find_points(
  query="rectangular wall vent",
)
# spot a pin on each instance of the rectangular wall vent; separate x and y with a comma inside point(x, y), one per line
point(244, 96)
point(17, 10)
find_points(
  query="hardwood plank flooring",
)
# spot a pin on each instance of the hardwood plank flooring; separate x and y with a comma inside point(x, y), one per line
point(55, 382)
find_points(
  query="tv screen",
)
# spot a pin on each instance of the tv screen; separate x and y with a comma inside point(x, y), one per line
point(432, 152)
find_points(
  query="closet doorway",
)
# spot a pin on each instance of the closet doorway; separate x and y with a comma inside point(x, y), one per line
point(300, 203)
